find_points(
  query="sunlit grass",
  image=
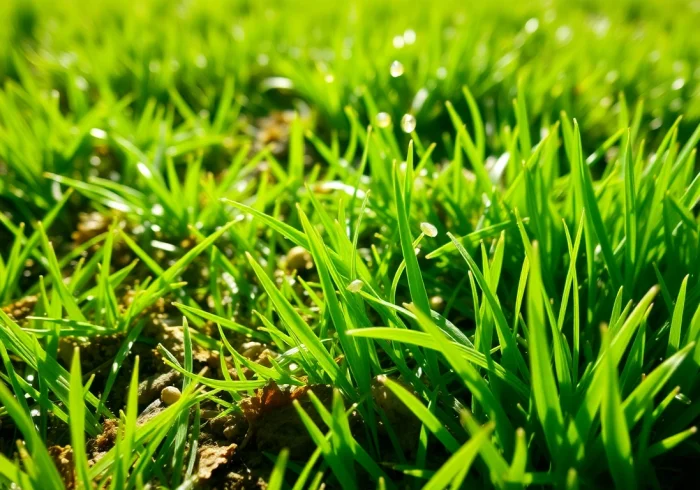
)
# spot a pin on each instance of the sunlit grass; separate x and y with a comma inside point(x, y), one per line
point(429, 232)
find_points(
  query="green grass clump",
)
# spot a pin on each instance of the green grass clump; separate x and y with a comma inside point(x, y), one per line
point(225, 195)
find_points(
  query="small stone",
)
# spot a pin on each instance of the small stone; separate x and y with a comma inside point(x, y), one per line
point(170, 395)
point(249, 345)
point(437, 303)
point(251, 350)
point(298, 259)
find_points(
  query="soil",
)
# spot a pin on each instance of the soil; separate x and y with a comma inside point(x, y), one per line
point(232, 445)
point(63, 459)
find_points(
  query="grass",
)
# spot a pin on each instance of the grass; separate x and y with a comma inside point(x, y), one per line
point(502, 296)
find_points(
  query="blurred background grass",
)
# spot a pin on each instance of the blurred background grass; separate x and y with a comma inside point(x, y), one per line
point(573, 56)
point(146, 71)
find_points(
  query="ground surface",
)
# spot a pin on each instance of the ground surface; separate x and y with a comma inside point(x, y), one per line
point(393, 244)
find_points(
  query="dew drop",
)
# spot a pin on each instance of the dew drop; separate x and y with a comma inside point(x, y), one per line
point(145, 171)
point(408, 123)
point(532, 25)
point(409, 36)
point(429, 229)
point(200, 61)
point(563, 34)
point(678, 84)
point(396, 69)
point(419, 99)
point(383, 120)
point(98, 133)
point(683, 398)
point(81, 84)
point(355, 286)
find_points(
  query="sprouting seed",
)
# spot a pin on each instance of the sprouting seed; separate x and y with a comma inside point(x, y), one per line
point(396, 69)
point(383, 120)
point(428, 229)
point(355, 286)
point(170, 395)
point(408, 123)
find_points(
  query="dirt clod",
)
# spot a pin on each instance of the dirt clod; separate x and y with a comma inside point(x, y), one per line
point(89, 226)
point(22, 308)
point(401, 419)
point(63, 458)
point(150, 411)
point(273, 131)
point(151, 387)
point(211, 457)
point(274, 421)
point(105, 441)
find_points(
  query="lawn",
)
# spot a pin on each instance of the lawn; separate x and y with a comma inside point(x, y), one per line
point(363, 244)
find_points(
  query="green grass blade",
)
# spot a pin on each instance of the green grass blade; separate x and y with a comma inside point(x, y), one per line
point(299, 328)
point(544, 390)
point(674, 336)
point(424, 415)
point(76, 410)
point(616, 438)
point(456, 468)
